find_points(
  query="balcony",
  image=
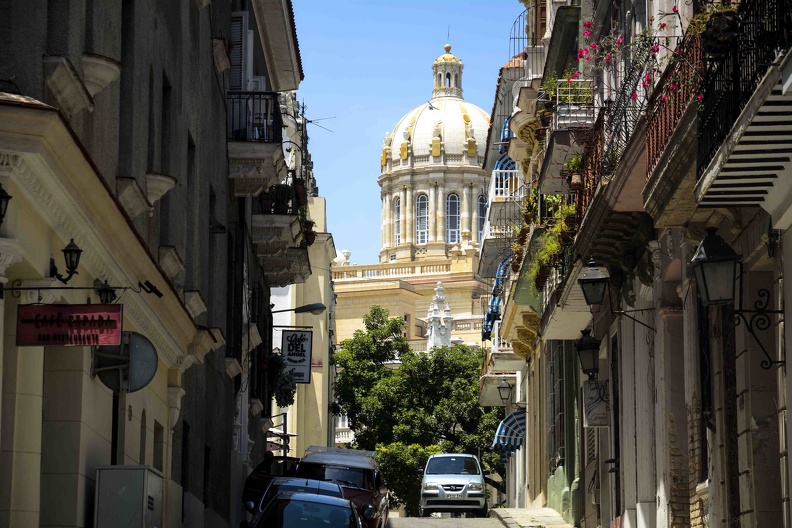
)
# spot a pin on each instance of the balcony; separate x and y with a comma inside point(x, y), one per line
point(290, 266)
point(254, 142)
point(744, 152)
point(573, 116)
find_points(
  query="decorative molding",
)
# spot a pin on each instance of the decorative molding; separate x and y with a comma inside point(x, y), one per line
point(201, 345)
point(170, 261)
point(99, 71)
point(9, 163)
point(194, 302)
point(66, 85)
point(232, 367)
point(156, 186)
point(130, 195)
point(174, 404)
point(255, 406)
point(10, 253)
point(251, 338)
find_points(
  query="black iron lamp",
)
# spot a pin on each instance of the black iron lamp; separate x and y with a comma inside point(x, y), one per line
point(106, 293)
point(505, 391)
point(715, 265)
point(4, 199)
point(71, 254)
point(594, 282)
point(588, 352)
point(313, 309)
point(718, 281)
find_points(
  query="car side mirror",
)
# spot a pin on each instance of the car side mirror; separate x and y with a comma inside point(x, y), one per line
point(486, 472)
point(249, 506)
point(420, 471)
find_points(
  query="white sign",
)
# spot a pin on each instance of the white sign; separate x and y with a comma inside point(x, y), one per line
point(296, 348)
point(595, 403)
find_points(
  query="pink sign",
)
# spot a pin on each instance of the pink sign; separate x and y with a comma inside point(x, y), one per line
point(68, 325)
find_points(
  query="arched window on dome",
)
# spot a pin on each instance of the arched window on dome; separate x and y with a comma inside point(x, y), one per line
point(396, 221)
point(452, 219)
point(482, 216)
point(421, 219)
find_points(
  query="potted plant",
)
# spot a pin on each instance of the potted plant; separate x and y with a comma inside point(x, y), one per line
point(281, 195)
point(308, 233)
point(300, 192)
point(721, 29)
point(575, 178)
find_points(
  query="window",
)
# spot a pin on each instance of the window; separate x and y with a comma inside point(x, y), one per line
point(421, 219)
point(396, 221)
point(142, 447)
point(159, 445)
point(452, 219)
point(482, 216)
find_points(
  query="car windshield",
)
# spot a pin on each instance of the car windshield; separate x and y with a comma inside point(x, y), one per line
point(303, 487)
point(452, 466)
point(345, 476)
point(304, 514)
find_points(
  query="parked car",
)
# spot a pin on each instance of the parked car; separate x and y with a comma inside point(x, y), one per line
point(283, 484)
point(453, 483)
point(308, 510)
point(358, 474)
point(258, 480)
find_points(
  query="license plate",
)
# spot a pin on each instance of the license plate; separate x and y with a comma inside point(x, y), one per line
point(453, 495)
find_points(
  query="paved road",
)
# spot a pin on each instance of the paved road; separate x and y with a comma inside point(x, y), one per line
point(437, 522)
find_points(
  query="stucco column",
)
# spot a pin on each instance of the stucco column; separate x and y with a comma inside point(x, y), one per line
point(20, 432)
point(408, 226)
point(441, 212)
point(474, 218)
point(432, 215)
point(464, 217)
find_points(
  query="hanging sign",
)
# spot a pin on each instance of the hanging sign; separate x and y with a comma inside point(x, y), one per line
point(68, 324)
point(595, 402)
point(296, 348)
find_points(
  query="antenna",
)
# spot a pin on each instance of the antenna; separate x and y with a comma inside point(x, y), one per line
point(448, 34)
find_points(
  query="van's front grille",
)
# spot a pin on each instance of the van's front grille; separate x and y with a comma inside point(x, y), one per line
point(453, 487)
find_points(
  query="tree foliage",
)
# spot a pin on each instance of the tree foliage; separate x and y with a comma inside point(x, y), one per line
point(407, 404)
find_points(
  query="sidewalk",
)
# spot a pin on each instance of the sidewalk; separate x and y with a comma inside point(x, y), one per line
point(529, 518)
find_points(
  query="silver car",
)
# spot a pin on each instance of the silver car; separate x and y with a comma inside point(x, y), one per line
point(453, 483)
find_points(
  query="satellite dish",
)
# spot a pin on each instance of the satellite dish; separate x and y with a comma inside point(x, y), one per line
point(127, 367)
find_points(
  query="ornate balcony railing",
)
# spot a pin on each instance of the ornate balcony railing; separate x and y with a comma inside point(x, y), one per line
point(731, 79)
point(254, 116)
point(676, 90)
point(507, 185)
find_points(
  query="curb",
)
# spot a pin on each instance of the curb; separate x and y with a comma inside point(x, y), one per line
point(504, 517)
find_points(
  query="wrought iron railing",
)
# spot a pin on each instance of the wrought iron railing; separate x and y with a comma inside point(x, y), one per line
point(254, 116)
point(675, 91)
point(731, 78)
point(507, 185)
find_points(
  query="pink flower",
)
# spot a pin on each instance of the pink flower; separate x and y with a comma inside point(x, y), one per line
point(663, 25)
point(663, 97)
point(588, 24)
point(619, 40)
point(587, 33)
point(580, 54)
point(655, 49)
point(672, 86)
point(634, 95)
point(700, 97)
point(675, 9)
point(593, 45)
point(608, 57)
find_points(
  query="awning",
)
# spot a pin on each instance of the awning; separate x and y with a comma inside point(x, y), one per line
point(511, 432)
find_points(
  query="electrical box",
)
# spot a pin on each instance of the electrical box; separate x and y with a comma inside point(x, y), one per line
point(128, 497)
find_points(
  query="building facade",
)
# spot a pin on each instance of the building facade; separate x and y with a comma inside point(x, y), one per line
point(150, 136)
point(661, 127)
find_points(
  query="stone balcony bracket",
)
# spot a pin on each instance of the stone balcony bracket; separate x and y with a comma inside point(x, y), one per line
point(170, 261)
point(131, 196)
point(194, 302)
point(156, 186)
point(67, 87)
point(99, 71)
point(232, 367)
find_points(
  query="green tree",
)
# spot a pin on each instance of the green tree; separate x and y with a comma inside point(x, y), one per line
point(405, 404)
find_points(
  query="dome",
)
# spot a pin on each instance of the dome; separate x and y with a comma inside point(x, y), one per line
point(444, 128)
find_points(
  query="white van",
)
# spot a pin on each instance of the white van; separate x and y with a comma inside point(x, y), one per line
point(453, 482)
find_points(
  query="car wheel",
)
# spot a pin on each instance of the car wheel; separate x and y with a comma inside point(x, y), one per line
point(483, 512)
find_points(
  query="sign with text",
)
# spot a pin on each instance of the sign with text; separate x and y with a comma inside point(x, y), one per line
point(596, 404)
point(296, 349)
point(68, 325)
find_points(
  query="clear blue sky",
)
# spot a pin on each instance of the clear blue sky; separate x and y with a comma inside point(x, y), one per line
point(367, 63)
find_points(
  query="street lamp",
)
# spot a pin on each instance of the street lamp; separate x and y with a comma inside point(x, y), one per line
point(313, 308)
point(594, 282)
point(505, 390)
point(4, 199)
point(71, 254)
point(715, 265)
point(588, 351)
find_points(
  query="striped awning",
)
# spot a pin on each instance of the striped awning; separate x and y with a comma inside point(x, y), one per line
point(511, 432)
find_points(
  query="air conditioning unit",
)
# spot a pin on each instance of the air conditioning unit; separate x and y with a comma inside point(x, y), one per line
point(128, 497)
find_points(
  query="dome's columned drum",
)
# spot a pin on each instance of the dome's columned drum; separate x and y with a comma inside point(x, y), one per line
point(432, 180)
